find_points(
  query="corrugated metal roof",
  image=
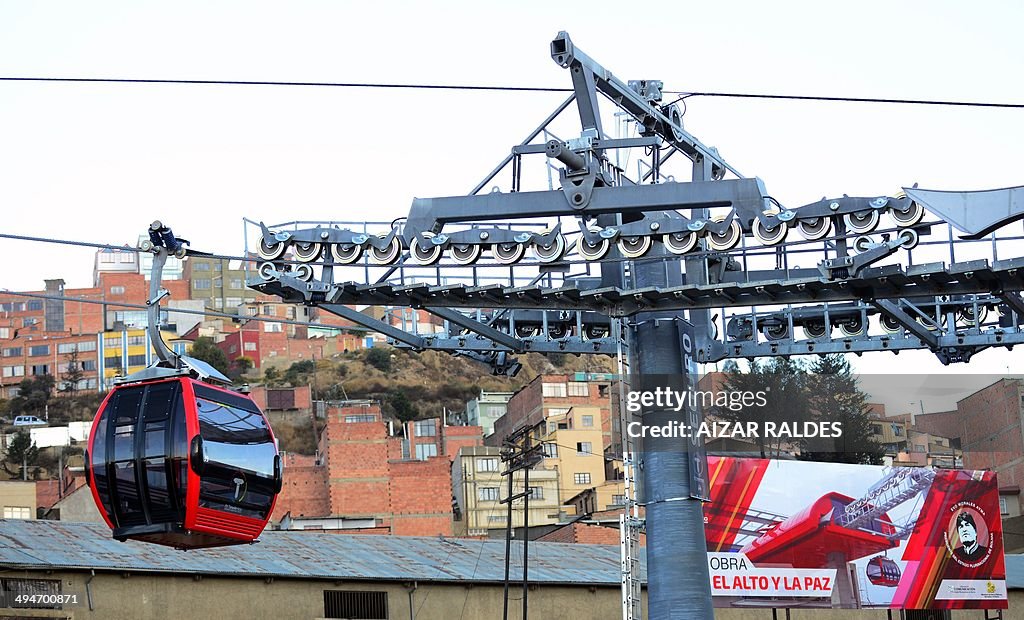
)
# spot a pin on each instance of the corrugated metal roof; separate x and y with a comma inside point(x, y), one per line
point(56, 545)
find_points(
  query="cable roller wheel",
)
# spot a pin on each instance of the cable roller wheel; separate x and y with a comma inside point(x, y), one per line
point(861, 222)
point(551, 252)
point(814, 228)
point(890, 325)
point(727, 240)
point(853, 326)
point(863, 244)
point(634, 247)
point(815, 330)
point(307, 252)
point(907, 218)
point(304, 273)
point(909, 238)
point(592, 252)
point(389, 254)
point(770, 236)
point(508, 253)
point(466, 254)
point(681, 242)
point(424, 253)
point(267, 271)
point(777, 332)
point(271, 251)
point(346, 254)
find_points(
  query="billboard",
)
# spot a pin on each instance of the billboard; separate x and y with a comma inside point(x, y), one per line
point(798, 533)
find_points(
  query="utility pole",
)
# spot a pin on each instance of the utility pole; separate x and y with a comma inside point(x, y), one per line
point(519, 457)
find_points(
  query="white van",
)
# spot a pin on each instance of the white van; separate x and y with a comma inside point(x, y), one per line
point(28, 420)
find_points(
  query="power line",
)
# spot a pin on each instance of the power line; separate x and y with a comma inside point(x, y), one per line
point(226, 315)
point(499, 88)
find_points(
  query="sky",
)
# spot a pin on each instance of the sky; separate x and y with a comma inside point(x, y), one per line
point(99, 162)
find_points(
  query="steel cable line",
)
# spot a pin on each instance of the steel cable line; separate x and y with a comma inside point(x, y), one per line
point(215, 313)
point(501, 88)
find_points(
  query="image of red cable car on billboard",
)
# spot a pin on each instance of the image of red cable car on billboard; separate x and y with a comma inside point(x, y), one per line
point(176, 457)
point(888, 537)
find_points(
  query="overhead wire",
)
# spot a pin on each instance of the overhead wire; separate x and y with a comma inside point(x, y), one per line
point(237, 317)
point(505, 88)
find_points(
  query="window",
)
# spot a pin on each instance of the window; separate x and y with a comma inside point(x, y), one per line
point(587, 420)
point(252, 310)
point(578, 388)
point(551, 450)
point(536, 493)
point(553, 390)
point(355, 605)
point(876, 429)
point(40, 369)
point(201, 284)
point(127, 257)
point(39, 349)
point(14, 371)
point(583, 478)
point(250, 346)
point(425, 428)
point(12, 352)
point(71, 347)
point(897, 430)
point(271, 326)
point(268, 310)
point(236, 283)
point(488, 494)
point(106, 256)
point(137, 360)
point(5, 332)
point(29, 321)
point(425, 451)
point(487, 464)
point(1003, 510)
point(584, 448)
point(35, 305)
point(619, 500)
point(17, 512)
point(112, 342)
point(355, 419)
point(289, 312)
point(136, 340)
point(201, 267)
point(89, 365)
point(117, 290)
point(114, 361)
point(496, 518)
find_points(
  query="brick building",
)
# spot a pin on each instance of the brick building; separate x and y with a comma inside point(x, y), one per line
point(554, 395)
point(361, 476)
point(431, 437)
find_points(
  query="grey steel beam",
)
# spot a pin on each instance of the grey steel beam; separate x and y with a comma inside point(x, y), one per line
point(908, 322)
point(498, 336)
point(414, 341)
point(1014, 301)
point(975, 213)
point(431, 214)
point(568, 56)
point(471, 342)
point(862, 344)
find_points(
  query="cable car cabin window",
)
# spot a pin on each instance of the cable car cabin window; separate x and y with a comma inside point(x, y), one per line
point(133, 457)
point(239, 451)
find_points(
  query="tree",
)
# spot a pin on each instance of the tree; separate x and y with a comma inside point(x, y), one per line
point(298, 373)
point(402, 406)
point(206, 350)
point(379, 359)
point(271, 375)
point(835, 398)
point(72, 374)
point(784, 384)
point(33, 395)
point(21, 453)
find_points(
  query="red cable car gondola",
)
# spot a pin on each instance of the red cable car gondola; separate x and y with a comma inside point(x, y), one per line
point(882, 571)
point(175, 459)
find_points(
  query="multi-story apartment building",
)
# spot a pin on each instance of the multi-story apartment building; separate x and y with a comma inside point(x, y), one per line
point(483, 410)
point(432, 437)
point(553, 395)
point(478, 487)
point(220, 283)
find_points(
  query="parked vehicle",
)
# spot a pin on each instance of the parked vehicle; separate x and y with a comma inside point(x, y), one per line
point(28, 420)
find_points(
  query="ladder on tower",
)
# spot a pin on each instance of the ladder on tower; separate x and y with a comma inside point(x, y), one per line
point(630, 524)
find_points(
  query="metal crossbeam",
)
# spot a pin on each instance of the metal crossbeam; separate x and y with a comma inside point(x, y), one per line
point(500, 337)
point(414, 341)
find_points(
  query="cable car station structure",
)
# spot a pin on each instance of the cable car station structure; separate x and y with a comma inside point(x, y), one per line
point(666, 274)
